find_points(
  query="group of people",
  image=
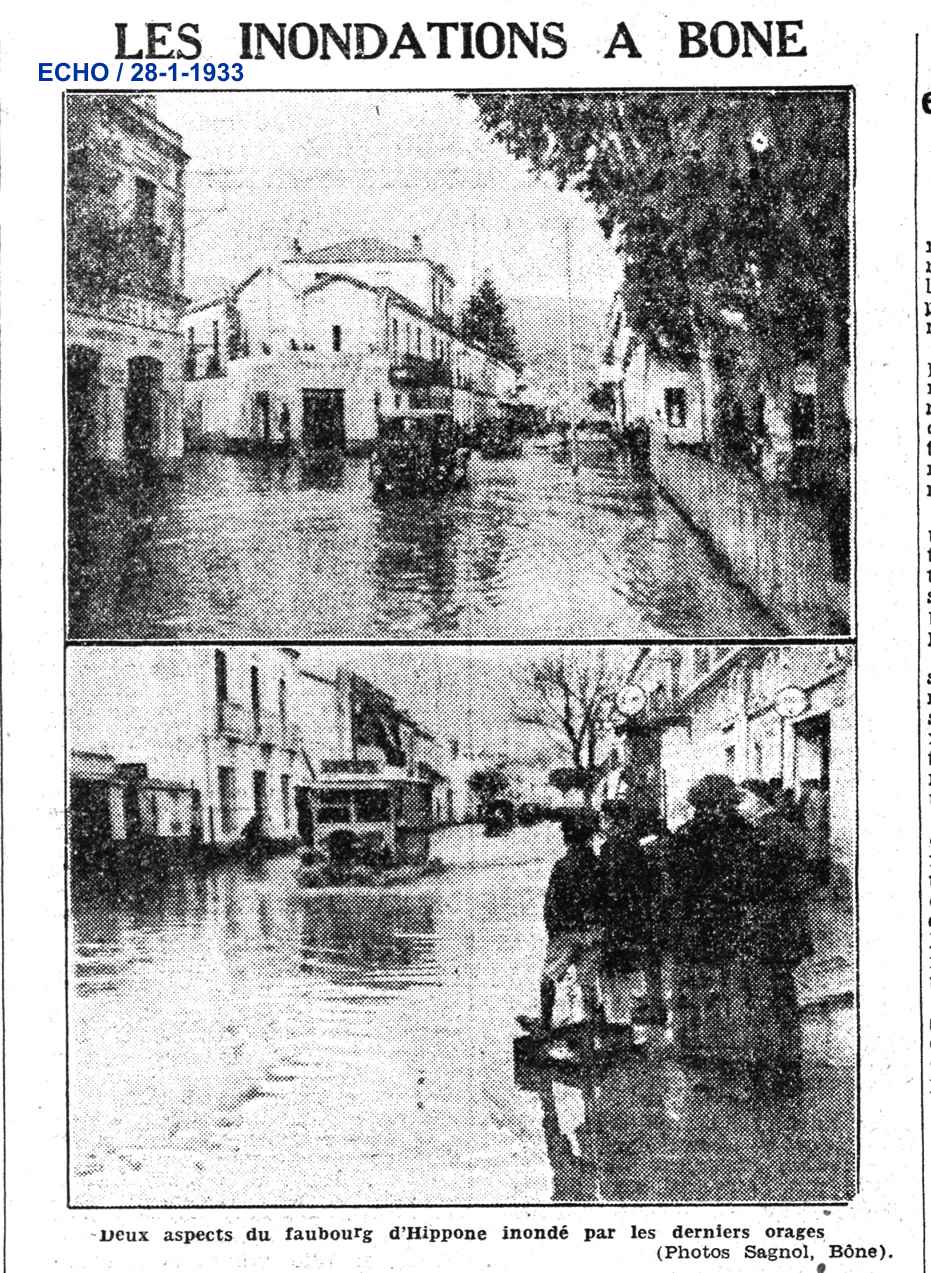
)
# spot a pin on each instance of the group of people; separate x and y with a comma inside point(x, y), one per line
point(700, 929)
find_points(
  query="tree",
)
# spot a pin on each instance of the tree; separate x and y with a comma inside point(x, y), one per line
point(108, 253)
point(731, 212)
point(485, 322)
point(489, 785)
point(601, 398)
point(569, 698)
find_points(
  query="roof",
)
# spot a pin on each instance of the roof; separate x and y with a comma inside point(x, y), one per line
point(366, 248)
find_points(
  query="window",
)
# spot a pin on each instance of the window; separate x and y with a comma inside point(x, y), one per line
point(190, 337)
point(337, 338)
point(216, 338)
point(286, 799)
point(220, 676)
point(675, 408)
point(334, 806)
point(226, 783)
point(260, 794)
point(145, 203)
point(433, 348)
point(373, 806)
point(394, 334)
point(283, 704)
point(407, 338)
point(256, 696)
point(702, 660)
point(419, 339)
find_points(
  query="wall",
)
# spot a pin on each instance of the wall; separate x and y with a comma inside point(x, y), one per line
point(776, 544)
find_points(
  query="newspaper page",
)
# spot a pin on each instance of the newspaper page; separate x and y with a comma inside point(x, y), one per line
point(465, 498)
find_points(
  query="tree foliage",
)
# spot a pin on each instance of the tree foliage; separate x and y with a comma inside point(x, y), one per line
point(730, 208)
point(485, 322)
point(489, 784)
point(108, 251)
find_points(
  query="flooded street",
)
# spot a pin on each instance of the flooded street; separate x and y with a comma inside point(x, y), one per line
point(241, 547)
point(235, 1041)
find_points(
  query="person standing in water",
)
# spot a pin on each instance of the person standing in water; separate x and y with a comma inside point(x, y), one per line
point(573, 912)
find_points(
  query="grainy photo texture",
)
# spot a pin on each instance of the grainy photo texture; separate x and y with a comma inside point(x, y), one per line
point(448, 925)
point(482, 365)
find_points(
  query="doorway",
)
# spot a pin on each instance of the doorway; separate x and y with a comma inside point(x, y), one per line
point(324, 426)
point(142, 397)
point(82, 387)
point(813, 752)
point(132, 812)
point(263, 417)
point(260, 794)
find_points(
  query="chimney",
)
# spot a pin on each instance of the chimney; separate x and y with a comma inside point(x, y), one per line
point(417, 244)
point(297, 247)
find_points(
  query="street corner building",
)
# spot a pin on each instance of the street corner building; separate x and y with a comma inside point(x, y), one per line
point(783, 713)
point(124, 229)
point(321, 342)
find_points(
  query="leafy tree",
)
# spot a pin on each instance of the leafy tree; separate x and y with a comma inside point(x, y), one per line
point(730, 210)
point(485, 322)
point(107, 251)
point(489, 784)
point(601, 397)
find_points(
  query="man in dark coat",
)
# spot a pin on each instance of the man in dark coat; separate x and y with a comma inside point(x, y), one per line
point(573, 912)
point(707, 865)
point(776, 937)
point(631, 889)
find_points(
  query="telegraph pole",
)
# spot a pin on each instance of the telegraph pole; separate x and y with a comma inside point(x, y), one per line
point(570, 364)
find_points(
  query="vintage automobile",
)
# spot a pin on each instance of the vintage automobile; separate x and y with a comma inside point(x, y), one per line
point(499, 440)
point(499, 817)
point(321, 466)
point(361, 827)
point(420, 452)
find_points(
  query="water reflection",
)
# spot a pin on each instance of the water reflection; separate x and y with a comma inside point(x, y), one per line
point(256, 547)
point(236, 1040)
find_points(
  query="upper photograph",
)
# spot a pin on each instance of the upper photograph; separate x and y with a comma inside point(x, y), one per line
point(489, 366)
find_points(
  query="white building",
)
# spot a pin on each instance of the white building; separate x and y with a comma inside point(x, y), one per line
point(220, 734)
point(224, 723)
point(317, 345)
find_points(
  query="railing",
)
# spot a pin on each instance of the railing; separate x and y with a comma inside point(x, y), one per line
point(232, 720)
point(416, 372)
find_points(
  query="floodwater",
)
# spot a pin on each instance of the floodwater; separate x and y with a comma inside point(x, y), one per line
point(235, 1041)
point(240, 547)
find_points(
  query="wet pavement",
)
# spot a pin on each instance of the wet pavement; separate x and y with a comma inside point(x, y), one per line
point(234, 1040)
point(241, 547)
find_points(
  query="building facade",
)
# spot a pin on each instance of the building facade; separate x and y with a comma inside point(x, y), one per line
point(771, 712)
point(217, 736)
point(316, 347)
point(125, 282)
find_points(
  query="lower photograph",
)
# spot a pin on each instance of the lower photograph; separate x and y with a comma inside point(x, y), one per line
point(461, 925)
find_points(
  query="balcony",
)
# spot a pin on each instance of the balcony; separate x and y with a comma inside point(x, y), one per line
point(233, 720)
point(412, 371)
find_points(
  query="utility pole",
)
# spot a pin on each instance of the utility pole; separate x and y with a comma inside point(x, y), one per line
point(570, 362)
